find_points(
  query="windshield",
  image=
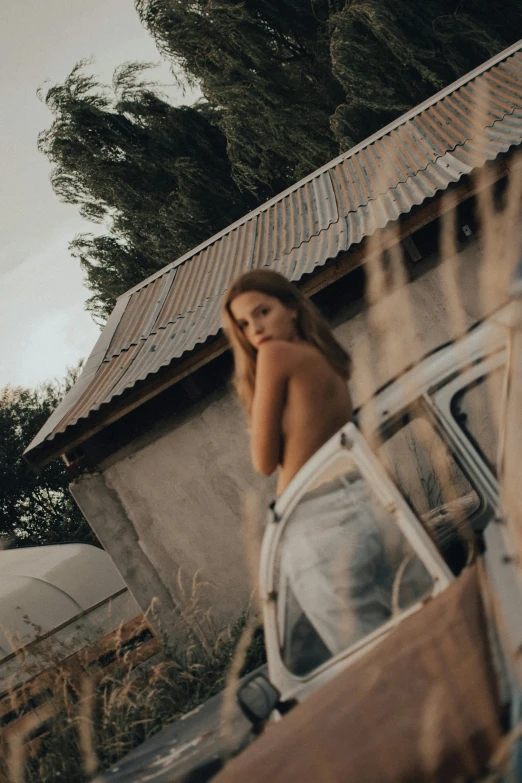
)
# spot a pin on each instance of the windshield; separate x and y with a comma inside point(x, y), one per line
point(344, 569)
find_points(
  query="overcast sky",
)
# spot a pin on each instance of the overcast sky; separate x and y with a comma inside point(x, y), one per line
point(43, 323)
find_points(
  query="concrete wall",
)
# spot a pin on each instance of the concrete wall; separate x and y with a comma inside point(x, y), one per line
point(171, 503)
point(169, 514)
point(411, 320)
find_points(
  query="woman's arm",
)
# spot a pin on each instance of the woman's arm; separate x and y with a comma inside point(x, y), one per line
point(272, 373)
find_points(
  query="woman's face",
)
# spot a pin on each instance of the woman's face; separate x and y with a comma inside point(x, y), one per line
point(262, 317)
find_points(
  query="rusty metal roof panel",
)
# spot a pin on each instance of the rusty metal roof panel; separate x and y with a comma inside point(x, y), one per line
point(377, 213)
point(498, 138)
point(327, 244)
point(296, 218)
point(202, 313)
point(207, 272)
point(145, 357)
point(173, 305)
point(109, 374)
point(504, 80)
point(333, 209)
point(137, 316)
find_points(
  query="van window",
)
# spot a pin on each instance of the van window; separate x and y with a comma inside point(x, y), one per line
point(476, 408)
point(434, 485)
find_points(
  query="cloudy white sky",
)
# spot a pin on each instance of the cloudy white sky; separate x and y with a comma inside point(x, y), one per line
point(43, 324)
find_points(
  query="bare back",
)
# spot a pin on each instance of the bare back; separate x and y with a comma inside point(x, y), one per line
point(317, 403)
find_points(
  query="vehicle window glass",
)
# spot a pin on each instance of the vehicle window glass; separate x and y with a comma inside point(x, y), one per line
point(343, 569)
point(432, 482)
point(476, 409)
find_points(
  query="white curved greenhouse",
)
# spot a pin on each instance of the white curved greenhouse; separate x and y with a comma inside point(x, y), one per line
point(63, 591)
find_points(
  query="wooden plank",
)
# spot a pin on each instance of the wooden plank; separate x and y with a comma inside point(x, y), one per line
point(114, 640)
point(130, 661)
point(18, 698)
point(29, 723)
point(73, 669)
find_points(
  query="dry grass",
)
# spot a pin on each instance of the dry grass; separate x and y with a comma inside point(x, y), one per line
point(102, 717)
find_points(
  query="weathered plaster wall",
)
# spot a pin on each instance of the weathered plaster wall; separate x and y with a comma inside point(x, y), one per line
point(180, 495)
point(171, 504)
point(386, 338)
point(103, 509)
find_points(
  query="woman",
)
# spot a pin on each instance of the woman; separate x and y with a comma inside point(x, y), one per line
point(291, 376)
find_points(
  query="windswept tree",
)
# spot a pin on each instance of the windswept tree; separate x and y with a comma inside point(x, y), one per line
point(287, 85)
point(299, 81)
point(35, 509)
point(266, 64)
point(155, 175)
point(390, 55)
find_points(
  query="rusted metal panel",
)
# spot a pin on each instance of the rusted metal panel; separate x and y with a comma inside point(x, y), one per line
point(295, 219)
point(136, 318)
point(420, 706)
point(90, 369)
point(326, 214)
point(303, 260)
point(101, 386)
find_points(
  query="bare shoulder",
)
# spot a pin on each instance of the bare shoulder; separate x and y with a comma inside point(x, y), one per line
point(290, 354)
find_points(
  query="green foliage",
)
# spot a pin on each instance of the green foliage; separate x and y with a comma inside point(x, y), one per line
point(156, 175)
point(34, 509)
point(390, 55)
point(298, 81)
point(266, 65)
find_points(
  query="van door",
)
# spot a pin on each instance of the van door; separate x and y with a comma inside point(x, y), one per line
point(344, 560)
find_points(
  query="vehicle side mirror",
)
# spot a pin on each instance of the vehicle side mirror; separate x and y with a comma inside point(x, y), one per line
point(257, 697)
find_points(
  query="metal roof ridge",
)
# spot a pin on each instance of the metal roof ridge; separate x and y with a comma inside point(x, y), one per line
point(403, 119)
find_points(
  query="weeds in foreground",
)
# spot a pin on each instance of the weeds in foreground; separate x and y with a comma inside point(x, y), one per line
point(102, 717)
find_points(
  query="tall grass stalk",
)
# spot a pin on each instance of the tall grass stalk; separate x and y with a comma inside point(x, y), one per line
point(93, 718)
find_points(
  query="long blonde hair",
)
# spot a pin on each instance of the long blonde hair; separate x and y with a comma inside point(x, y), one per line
point(311, 327)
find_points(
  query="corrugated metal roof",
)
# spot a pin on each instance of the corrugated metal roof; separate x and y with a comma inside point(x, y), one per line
point(333, 209)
